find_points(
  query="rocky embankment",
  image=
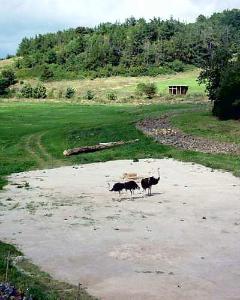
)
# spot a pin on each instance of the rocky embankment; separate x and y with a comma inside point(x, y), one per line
point(163, 132)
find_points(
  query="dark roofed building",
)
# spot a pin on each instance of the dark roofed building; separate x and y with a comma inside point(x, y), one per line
point(178, 89)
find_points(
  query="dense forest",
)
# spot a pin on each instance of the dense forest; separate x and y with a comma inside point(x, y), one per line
point(134, 47)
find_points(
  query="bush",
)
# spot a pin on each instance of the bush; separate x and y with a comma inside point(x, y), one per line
point(27, 91)
point(89, 95)
point(70, 92)
point(140, 89)
point(9, 75)
point(39, 92)
point(46, 74)
point(3, 86)
point(136, 71)
point(177, 66)
point(112, 96)
point(148, 89)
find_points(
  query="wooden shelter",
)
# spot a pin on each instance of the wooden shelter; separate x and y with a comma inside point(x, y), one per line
point(178, 89)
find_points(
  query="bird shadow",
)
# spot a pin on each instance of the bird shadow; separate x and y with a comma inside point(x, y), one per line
point(153, 194)
point(127, 198)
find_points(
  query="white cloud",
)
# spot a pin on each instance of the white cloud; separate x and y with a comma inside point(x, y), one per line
point(21, 18)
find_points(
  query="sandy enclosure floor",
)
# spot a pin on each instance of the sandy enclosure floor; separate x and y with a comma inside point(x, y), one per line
point(181, 243)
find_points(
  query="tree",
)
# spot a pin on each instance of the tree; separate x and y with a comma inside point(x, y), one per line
point(132, 48)
point(227, 104)
point(7, 78)
point(220, 73)
point(46, 73)
point(51, 57)
point(212, 68)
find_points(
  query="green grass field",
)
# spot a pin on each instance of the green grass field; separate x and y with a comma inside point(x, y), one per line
point(35, 135)
point(205, 125)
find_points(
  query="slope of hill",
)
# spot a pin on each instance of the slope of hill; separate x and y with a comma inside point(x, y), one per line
point(133, 48)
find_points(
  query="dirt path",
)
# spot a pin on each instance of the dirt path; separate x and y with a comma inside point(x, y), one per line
point(34, 146)
point(181, 243)
point(163, 132)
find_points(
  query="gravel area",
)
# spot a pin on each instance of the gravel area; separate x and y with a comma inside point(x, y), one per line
point(163, 132)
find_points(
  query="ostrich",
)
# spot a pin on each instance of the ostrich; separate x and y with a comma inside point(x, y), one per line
point(131, 186)
point(118, 187)
point(147, 183)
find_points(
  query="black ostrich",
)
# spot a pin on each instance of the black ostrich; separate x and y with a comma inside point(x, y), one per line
point(147, 183)
point(118, 187)
point(131, 186)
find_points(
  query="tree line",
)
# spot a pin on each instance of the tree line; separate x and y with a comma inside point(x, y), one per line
point(134, 47)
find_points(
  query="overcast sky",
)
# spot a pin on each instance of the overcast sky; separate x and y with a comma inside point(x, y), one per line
point(20, 18)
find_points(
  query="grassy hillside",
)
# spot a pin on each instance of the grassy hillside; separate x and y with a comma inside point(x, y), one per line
point(5, 63)
point(125, 88)
point(35, 135)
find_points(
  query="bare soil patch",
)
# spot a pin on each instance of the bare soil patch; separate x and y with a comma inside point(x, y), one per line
point(181, 243)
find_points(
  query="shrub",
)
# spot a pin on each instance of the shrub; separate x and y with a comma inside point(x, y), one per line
point(177, 66)
point(140, 89)
point(158, 70)
point(148, 89)
point(3, 86)
point(9, 75)
point(46, 74)
point(70, 92)
point(89, 95)
point(27, 91)
point(112, 96)
point(39, 92)
point(136, 71)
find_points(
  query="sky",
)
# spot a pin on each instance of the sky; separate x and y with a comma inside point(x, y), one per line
point(26, 18)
